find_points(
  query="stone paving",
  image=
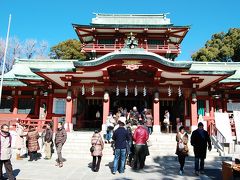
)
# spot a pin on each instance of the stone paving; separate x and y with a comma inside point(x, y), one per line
point(157, 167)
point(78, 165)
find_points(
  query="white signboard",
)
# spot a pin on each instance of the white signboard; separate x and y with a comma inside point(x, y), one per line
point(236, 116)
point(223, 125)
point(233, 106)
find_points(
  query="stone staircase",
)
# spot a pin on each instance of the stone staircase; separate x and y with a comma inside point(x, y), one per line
point(163, 145)
point(79, 143)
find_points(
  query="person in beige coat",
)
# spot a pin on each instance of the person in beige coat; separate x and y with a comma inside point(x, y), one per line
point(182, 147)
point(5, 152)
point(33, 145)
point(98, 144)
point(19, 139)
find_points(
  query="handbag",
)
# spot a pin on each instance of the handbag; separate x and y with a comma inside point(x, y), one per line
point(149, 143)
point(180, 146)
point(92, 148)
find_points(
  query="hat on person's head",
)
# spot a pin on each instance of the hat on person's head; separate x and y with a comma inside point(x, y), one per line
point(122, 119)
point(200, 124)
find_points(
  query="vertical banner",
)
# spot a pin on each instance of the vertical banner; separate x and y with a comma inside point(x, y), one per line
point(236, 117)
point(223, 125)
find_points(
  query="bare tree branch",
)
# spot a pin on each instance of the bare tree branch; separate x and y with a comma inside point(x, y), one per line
point(42, 50)
point(30, 48)
point(15, 51)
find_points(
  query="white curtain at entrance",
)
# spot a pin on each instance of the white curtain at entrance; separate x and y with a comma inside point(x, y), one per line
point(236, 116)
point(223, 125)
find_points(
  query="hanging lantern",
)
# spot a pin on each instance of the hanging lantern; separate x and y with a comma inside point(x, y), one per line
point(83, 90)
point(144, 91)
point(126, 91)
point(117, 91)
point(93, 90)
point(194, 97)
point(69, 95)
point(156, 97)
point(106, 96)
point(179, 91)
point(169, 91)
point(135, 91)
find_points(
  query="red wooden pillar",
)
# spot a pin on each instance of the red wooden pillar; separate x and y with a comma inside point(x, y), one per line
point(55, 124)
point(219, 104)
point(211, 108)
point(106, 107)
point(156, 114)
point(15, 104)
point(36, 108)
point(224, 105)
point(212, 119)
point(50, 104)
point(69, 112)
point(194, 116)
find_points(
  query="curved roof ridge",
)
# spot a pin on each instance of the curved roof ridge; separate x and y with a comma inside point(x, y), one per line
point(135, 54)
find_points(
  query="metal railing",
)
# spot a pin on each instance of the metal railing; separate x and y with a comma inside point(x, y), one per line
point(37, 123)
point(215, 132)
point(217, 138)
point(149, 47)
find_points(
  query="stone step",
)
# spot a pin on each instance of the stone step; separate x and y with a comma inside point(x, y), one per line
point(109, 155)
point(78, 143)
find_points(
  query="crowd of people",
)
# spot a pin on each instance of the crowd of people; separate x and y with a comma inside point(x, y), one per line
point(27, 144)
point(128, 133)
point(132, 118)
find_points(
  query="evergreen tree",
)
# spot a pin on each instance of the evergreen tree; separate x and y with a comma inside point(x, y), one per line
point(69, 49)
point(223, 47)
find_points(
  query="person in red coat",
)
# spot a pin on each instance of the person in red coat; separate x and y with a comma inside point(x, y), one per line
point(140, 138)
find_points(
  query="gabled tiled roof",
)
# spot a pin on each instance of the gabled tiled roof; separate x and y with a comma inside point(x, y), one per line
point(135, 19)
point(215, 67)
point(23, 70)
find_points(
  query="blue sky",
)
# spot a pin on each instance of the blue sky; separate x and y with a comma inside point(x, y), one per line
point(51, 20)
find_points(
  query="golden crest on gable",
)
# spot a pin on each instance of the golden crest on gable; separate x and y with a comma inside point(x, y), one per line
point(132, 64)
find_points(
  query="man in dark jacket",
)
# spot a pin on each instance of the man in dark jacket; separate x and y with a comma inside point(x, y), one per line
point(48, 141)
point(60, 139)
point(120, 136)
point(200, 140)
point(140, 137)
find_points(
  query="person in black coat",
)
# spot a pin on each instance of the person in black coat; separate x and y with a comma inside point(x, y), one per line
point(200, 140)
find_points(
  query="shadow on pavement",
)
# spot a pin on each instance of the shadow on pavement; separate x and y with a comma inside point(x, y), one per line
point(110, 165)
point(15, 173)
point(169, 166)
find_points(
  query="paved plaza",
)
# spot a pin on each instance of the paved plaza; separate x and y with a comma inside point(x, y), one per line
point(157, 167)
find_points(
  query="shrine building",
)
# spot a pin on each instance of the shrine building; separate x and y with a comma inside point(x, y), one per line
point(130, 62)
